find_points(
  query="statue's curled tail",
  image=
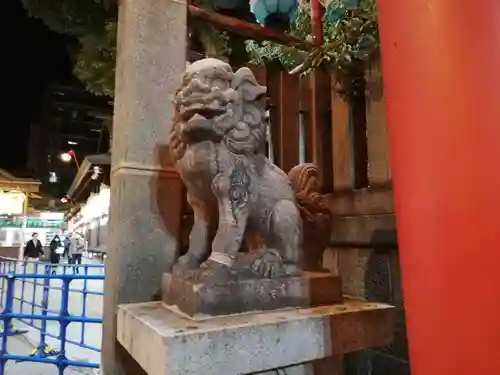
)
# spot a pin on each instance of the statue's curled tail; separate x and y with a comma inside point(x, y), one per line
point(316, 216)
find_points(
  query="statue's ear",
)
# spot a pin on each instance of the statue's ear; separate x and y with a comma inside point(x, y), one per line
point(247, 86)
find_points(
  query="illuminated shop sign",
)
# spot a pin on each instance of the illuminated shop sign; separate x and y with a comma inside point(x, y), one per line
point(31, 223)
point(11, 203)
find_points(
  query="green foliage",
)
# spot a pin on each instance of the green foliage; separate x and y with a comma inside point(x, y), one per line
point(350, 28)
point(73, 17)
point(93, 24)
point(95, 62)
point(351, 43)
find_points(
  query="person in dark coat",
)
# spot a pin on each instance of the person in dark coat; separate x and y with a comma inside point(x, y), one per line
point(54, 255)
point(33, 249)
point(67, 244)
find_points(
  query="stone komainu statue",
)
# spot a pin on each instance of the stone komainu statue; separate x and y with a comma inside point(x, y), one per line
point(218, 144)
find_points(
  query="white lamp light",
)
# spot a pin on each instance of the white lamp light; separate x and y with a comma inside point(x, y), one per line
point(66, 157)
point(52, 177)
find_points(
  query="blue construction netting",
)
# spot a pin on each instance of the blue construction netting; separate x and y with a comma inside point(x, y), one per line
point(61, 305)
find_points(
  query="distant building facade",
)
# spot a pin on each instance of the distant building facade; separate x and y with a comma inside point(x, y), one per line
point(71, 120)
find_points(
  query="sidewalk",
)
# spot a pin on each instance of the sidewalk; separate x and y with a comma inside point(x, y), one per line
point(20, 345)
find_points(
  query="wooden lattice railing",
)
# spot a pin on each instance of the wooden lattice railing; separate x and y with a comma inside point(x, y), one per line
point(311, 122)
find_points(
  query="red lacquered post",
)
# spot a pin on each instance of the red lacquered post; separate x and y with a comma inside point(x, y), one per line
point(441, 66)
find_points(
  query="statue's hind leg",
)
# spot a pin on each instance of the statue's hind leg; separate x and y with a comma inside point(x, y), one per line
point(286, 230)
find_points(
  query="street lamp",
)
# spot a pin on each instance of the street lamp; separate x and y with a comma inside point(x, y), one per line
point(274, 12)
point(66, 157)
point(52, 177)
point(96, 171)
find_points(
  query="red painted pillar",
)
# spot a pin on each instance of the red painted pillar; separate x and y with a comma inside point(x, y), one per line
point(441, 66)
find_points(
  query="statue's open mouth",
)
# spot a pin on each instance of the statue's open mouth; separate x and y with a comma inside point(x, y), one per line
point(204, 111)
point(199, 122)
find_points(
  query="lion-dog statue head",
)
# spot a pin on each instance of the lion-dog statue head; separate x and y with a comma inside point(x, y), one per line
point(212, 104)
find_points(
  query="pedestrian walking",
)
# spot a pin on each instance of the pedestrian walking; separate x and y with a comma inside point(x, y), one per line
point(33, 249)
point(67, 244)
point(54, 246)
point(76, 251)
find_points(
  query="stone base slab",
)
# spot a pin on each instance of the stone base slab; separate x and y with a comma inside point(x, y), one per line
point(165, 342)
point(232, 297)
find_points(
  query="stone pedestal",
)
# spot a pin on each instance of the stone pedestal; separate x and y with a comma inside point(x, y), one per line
point(165, 342)
point(234, 296)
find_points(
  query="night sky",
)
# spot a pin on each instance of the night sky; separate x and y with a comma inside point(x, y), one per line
point(33, 57)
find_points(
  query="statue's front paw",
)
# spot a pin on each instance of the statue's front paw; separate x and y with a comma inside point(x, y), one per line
point(184, 265)
point(212, 272)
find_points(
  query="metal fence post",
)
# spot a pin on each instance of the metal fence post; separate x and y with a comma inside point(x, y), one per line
point(84, 304)
point(45, 305)
point(2, 287)
point(23, 285)
point(7, 319)
point(63, 324)
point(43, 349)
point(35, 284)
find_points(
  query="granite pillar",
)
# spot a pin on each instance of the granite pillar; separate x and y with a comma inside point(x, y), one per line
point(145, 191)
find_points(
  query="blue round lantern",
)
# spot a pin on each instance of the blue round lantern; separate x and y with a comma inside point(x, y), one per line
point(264, 9)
